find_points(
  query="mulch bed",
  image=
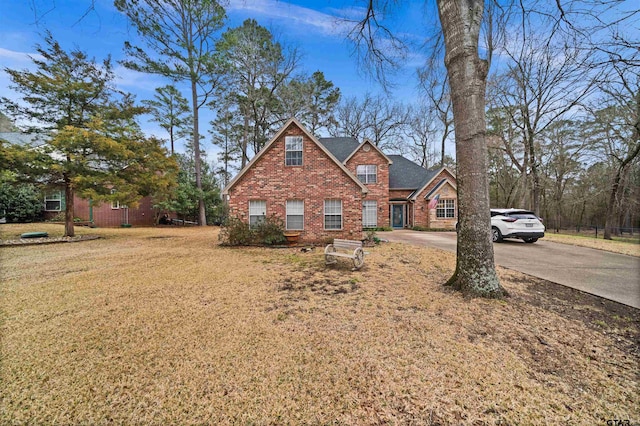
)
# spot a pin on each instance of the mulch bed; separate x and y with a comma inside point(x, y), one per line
point(47, 240)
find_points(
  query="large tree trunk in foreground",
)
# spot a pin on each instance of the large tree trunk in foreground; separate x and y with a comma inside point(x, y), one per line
point(475, 269)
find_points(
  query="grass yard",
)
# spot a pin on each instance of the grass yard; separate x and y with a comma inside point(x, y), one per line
point(164, 326)
point(628, 246)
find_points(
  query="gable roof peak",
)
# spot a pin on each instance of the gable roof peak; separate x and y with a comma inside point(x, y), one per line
point(278, 134)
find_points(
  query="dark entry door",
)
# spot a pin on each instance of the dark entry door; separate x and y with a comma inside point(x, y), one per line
point(397, 216)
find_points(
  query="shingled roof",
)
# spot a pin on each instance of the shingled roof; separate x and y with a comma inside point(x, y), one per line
point(405, 174)
point(23, 139)
point(341, 148)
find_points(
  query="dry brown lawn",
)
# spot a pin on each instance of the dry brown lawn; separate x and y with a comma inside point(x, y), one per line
point(622, 247)
point(164, 326)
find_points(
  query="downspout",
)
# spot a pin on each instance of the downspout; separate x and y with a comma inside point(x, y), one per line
point(413, 210)
point(90, 210)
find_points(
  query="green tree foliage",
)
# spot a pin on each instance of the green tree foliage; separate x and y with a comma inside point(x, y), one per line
point(67, 89)
point(311, 100)
point(95, 145)
point(19, 202)
point(257, 65)
point(183, 199)
point(180, 36)
point(171, 111)
point(226, 131)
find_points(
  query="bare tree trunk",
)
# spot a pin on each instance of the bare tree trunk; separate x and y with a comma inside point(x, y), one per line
point(475, 269)
point(442, 142)
point(611, 205)
point(526, 199)
point(202, 214)
point(245, 142)
point(535, 175)
point(69, 230)
point(581, 217)
point(171, 138)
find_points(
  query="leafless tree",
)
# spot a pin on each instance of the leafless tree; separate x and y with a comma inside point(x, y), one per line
point(351, 118)
point(461, 22)
point(422, 130)
point(616, 122)
point(547, 77)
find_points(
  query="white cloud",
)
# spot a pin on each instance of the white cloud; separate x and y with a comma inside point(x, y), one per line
point(17, 57)
point(128, 80)
point(296, 16)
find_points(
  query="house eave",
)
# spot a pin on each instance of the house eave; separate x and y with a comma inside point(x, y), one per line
point(372, 145)
point(414, 196)
point(440, 184)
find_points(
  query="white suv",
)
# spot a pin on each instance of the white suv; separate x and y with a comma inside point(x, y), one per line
point(515, 223)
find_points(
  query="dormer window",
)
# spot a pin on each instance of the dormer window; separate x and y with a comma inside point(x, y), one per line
point(293, 150)
point(367, 173)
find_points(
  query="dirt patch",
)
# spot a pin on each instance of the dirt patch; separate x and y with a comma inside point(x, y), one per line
point(616, 320)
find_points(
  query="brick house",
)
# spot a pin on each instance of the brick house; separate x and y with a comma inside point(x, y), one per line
point(106, 214)
point(335, 187)
point(102, 215)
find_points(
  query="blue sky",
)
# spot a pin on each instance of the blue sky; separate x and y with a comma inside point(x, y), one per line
point(317, 28)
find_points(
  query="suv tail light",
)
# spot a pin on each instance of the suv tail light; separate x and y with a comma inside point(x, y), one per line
point(509, 219)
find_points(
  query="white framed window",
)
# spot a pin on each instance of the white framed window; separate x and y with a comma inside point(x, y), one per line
point(369, 214)
point(367, 173)
point(332, 214)
point(293, 150)
point(446, 209)
point(295, 215)
point(115, 204)
point(257, 212)
point(53, 201)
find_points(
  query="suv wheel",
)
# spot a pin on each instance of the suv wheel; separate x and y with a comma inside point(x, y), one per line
point(530, 240)
point(496, 236)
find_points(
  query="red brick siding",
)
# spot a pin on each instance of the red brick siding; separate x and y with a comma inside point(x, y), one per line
point(105, 216)
point(426, 217)
point(318, 179)
point(377, 191)
point(394, 194)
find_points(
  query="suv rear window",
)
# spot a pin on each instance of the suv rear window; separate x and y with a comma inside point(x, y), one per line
point(522, 215)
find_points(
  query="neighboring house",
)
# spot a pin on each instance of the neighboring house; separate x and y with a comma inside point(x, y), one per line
point(106, 214)
point(103, 215)
point(336, 187)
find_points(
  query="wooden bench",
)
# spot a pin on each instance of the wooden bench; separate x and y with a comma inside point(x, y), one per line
point(353, 251)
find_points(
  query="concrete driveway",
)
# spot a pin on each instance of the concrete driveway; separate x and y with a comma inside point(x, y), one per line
point(612, 276)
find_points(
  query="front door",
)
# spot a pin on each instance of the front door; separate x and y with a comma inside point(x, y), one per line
point(397, 216)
